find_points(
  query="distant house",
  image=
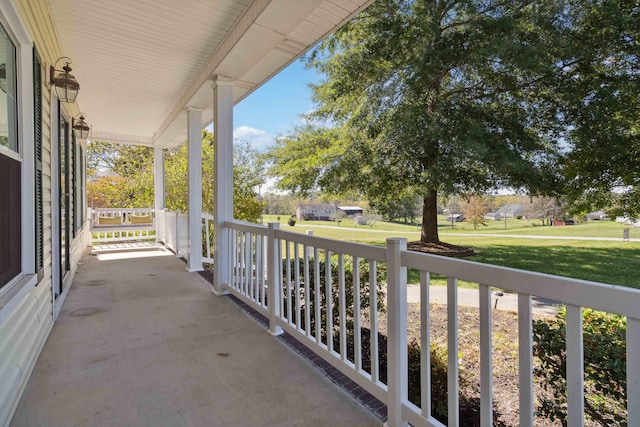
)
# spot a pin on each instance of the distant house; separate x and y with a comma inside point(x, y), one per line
point(351, 210)
point(455, 218)
point(513, 210)
point(316, 211)
point(597, 216)
point(493, 216)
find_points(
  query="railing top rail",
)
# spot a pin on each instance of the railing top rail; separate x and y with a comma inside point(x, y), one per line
point(583, 293)
point(247, 227)
point(122, 209)
point(207, 216)
point(374, 253)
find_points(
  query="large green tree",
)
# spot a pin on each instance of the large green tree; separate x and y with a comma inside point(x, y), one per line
point(437, 97)
point(602, 109)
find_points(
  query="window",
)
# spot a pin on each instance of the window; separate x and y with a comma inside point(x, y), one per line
point(10, 166)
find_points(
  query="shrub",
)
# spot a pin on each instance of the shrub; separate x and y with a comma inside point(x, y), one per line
point(335, 291)
point(604, 367)
point(291, 222)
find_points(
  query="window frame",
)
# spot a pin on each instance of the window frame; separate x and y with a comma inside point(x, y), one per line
point(18, 286)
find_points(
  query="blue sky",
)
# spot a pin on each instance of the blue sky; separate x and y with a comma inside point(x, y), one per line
point(275, 108)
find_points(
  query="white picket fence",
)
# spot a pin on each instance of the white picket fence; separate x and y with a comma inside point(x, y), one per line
point(278, 273)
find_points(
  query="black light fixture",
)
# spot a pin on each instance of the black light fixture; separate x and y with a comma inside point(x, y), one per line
point(3, 77)
point(67, 86)
point(81, 128)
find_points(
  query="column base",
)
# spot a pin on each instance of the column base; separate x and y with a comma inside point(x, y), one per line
point(278, 331)
point(219, 293)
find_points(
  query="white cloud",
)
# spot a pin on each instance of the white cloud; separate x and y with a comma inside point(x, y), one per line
point(258, 138)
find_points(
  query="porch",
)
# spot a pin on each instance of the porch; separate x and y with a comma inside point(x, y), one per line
point(343, 275)
point(141, 341)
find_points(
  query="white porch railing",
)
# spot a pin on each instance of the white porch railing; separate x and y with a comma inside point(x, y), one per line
point(173, 231)
point(279, 274)
point(121, 224)
point(207, 238)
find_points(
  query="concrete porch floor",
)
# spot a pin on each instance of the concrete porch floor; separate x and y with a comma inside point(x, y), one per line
point(142, 342)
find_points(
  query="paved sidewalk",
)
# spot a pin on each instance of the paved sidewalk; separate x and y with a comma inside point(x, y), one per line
point(469, 298)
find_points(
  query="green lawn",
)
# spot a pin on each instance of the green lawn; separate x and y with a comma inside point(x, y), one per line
point(614, 262)
point(514, 226)
point(520, 226)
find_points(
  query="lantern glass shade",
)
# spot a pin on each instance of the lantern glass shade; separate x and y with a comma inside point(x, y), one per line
point(81, 129)
point(66, 85)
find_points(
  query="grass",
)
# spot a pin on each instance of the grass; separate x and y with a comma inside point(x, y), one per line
point(608, 229)
point(613, 262)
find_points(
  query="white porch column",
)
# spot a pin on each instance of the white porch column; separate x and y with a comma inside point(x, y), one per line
point(194, 137)
point(158, 190)
point(158, 178)
point(223, 181)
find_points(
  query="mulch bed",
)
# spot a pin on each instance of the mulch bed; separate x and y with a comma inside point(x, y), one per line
point(441, 248)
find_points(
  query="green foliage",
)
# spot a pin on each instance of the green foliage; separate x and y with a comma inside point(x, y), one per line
point(434, 97)
point(439, 407)
point(291, 222)
point(129, 177)
point(604, 366)
point(601, 109)
point(365, 289)
point(475, 209)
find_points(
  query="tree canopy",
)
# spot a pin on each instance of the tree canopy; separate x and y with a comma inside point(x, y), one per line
point(602, 110)
point(446, 97)
point(122, 176)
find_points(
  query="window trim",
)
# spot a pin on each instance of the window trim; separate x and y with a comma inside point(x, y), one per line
point(12, 24)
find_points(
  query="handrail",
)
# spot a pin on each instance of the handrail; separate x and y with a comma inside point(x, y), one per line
point(281, 273)
point(599, 296)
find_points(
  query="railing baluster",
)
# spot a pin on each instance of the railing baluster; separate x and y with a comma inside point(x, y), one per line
point(329, 296)
point(307, 291)
point(249, 264)
point(288, 281)
point(241, 262)
point(357, 340)
point(575, 367)
point(242, 267)
point(453, 398)
point(234, 243)
point(486, 358)
point(317, 295)
point(296, 300)
point(342, 308)
point(373, 320)
point(263, 269)
point(633, 371)
point(525, 355)
point(425, 346)
point(257, 283)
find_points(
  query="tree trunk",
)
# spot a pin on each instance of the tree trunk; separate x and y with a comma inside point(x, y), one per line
point(429, 233)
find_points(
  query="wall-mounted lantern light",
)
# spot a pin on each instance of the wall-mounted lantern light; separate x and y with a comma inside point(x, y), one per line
point(67, 86)
point(80, 128)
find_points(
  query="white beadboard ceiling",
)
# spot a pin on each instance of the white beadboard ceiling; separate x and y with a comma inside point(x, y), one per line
point(140, 63)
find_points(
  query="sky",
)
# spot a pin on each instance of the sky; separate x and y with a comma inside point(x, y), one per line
point(276, 107)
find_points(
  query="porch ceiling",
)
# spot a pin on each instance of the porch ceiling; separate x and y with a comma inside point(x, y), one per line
point(140, 64)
